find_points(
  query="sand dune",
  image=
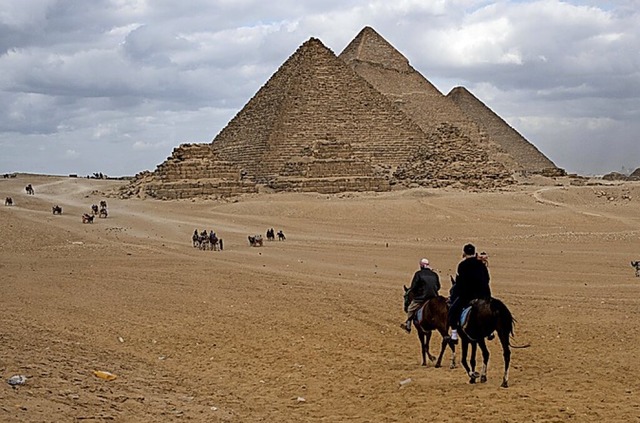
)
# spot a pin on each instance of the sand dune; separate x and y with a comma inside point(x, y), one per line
point(307, 329)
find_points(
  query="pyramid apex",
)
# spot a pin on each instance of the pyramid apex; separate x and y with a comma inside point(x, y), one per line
point(370, 46)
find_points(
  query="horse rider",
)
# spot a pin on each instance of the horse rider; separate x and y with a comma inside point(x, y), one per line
point(472, 282)
point(424, 286)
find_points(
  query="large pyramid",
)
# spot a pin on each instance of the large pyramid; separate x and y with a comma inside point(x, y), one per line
point(376, 60)
point(328, 124)
point(525, 154)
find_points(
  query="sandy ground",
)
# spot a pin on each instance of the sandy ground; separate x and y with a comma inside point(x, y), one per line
point(306, 330)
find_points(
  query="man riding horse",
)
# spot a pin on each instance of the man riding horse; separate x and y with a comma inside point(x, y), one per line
point(472, 282)
point(424, 286)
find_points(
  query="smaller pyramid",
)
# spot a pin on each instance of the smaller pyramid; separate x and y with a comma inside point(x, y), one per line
point(526, 156)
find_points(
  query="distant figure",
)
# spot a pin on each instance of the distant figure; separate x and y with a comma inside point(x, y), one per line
point(94, 209)
point(636, 265)
point(56, 209)
point(271, 234)
point(8, 201)
point(281, 236)
point(29, 190)
point(221, 245)
point(103, 204)
point(87, 218)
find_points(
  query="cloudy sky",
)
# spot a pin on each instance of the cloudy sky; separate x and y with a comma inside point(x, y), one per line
point(113, 86)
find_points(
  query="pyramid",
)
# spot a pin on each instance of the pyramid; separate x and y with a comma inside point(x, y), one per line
point(525, 154)
point(376, 60)
point(364, 121)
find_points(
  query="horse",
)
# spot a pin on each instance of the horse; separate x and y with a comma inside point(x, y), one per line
point(29, 190)
point(56, 209)
point(636, 265)
point(87, 218)
point(8, 201)
point(94, 208)
point(103, 204)
point(477, 322)
point(271, 235)
point(431, 316)
point(103, 213)
point(204, 243)
point(213, 240)
point(281, 236)
point(255, 241)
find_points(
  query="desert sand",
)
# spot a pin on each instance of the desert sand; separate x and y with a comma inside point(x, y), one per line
point(306, 330)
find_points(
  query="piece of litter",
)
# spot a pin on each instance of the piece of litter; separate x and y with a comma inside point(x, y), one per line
point(104, 375)
point(17, 380)
point(120, 339)
point(300, 399)
point(405, 382)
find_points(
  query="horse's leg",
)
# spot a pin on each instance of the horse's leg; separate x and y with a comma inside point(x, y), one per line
point(485, 360)
point(463, 358)
point(442, 347)
point(421, 337)
point(506, 353)
point(453, 352)
point(426, 346)
point(473, 375)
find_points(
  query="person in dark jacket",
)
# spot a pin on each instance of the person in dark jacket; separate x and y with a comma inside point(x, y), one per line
point(472, 281)
point(424, 285)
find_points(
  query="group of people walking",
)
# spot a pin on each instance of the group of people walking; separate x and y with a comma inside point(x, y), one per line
point(471, 282)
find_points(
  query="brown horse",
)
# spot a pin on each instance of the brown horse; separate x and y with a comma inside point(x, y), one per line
point(431, 316)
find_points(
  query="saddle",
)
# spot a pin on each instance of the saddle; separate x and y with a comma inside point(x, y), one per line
point(417, 317)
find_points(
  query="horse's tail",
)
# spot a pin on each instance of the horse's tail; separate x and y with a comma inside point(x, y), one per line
point(506, 321)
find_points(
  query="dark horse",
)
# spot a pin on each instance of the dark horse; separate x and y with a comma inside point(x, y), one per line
point(270, 235)
point(484, 317)
point(8, 201)
point(29, 190)
point(433, 316)
point(56, 209)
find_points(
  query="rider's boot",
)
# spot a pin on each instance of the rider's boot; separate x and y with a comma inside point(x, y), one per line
point(406, 326)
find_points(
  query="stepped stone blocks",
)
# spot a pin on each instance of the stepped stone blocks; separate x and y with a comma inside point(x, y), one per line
point(321, 116)
point(525, 154)
point(364, 121)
